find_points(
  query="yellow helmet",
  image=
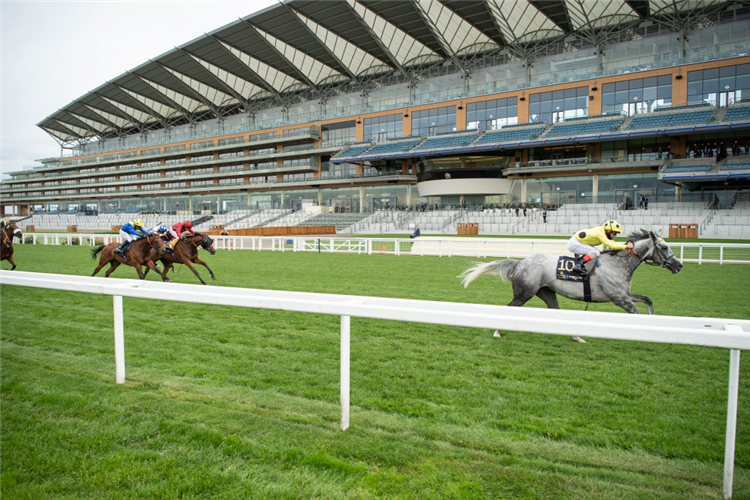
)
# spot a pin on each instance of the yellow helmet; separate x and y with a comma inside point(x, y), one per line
point(613, 226)
point(138, 223)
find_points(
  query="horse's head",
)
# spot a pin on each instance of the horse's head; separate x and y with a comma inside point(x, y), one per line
point(207, 244)
point(16, 231)
point(656, 250)
point(10, 231)
point(158, 243)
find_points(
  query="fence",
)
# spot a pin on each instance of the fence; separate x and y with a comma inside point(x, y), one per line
point(701, 253)
point(708, 332)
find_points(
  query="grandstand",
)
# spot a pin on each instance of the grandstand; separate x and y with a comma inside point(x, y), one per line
point(356, 106)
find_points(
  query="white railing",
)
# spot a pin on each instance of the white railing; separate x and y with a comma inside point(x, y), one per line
point(443, 246)
point(708, 332)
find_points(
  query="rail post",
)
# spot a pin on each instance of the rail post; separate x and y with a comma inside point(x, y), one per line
point(119, 340)
point(345, 363)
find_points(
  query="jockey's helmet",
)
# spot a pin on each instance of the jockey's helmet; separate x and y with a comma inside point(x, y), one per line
point(613, 226)
point(187, 224)
point(138, 223)
point(162, 229)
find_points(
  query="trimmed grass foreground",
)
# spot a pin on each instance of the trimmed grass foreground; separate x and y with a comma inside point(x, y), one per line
point(230, 403)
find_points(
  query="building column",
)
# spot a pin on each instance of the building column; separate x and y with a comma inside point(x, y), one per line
point(523, 190)
point(362, 199)
point(595, 187)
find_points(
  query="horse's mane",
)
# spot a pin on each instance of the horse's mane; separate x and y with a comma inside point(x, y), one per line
point(639, 235)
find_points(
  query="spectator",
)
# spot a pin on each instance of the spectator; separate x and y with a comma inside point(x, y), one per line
point(524, 209)
point(544, 214)
point(416, 232)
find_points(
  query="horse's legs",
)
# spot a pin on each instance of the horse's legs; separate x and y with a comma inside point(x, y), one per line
point(520, 297)
point(13, 263)
point(150, 265)
point(626, 303)
point(195, 271)
point(643, 299)
point(550, 298)
point(198, 261)
point(139, 270)
point(113, 265)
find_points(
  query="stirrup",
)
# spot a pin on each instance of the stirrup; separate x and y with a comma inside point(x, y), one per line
point(580, 268)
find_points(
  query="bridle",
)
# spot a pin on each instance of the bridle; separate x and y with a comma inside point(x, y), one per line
point(648, 257)
point(9, 236)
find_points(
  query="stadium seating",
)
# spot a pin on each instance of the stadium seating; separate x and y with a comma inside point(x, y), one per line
point(665, 120)
point(584, 128)
point(736, 114)
point(447, 142)
point(392, 147)
point(509, 135)
point(687, 168)
point(354, 150)
point(736, 166)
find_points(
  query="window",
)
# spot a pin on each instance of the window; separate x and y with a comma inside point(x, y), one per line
point(383, 128)
point(559, 105)
point(719, 86)
point(433, 121)
point(641, 95)
point(492, 115)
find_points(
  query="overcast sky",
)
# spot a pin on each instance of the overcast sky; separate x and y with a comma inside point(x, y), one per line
point(54, 52)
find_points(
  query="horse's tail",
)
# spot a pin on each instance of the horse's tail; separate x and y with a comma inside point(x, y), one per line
point(503, 268)
point(96, 251)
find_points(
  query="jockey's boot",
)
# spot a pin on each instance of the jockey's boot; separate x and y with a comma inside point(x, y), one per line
point(118, 250)
point(580, 267)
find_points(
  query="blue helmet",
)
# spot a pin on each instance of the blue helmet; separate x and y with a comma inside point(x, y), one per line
point(162, 229)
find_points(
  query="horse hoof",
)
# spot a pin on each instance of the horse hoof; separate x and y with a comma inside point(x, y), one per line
point(575, 338)
point(497, 334)
point(213, 278)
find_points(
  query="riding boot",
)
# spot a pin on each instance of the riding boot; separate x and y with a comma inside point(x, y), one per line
point(580, 267)
point(118, 249)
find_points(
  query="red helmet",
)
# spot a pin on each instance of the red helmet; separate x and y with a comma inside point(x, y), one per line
point(187, 224)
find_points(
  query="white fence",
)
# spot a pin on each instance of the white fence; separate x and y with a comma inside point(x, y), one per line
point(719, 253)
point(709, 332)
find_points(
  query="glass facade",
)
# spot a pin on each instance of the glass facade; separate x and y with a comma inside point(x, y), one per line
point(334, 134)
point(650, 148)
point(433, 121)
point(385, 197)
point(719, 86)
point(384, 128)
point(559, 105)
point(641, 95)
point(492, 115)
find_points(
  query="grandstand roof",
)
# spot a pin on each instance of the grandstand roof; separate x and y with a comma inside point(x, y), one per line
point(304, 49)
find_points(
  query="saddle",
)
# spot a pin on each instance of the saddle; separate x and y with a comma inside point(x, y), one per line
point(565, 272)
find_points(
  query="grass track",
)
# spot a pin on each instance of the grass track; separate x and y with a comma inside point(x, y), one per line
point(231, 403)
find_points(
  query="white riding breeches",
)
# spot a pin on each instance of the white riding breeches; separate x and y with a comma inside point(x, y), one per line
point(173, 233)
point(127, 236)
point(579, 248)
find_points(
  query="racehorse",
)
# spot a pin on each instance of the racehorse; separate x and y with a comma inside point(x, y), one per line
point(7, 233)
point(186, 252)
point(610, 280)
point(137, 255)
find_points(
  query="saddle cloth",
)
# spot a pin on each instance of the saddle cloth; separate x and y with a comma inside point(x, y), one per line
point(564, 270)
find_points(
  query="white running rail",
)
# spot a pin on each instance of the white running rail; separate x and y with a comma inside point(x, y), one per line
point(729, 334)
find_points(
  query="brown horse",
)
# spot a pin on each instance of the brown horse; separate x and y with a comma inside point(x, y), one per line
point(186, 252)
point(7, 233)
point(137, 255)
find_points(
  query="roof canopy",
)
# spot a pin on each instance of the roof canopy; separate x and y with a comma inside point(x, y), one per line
point(310, 48)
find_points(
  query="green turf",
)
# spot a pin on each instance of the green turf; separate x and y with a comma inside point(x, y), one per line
point(235, 403)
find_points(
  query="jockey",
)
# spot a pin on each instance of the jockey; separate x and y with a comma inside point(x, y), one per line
point(160, 230)
point(177, 230)
point(130, 232)
point(582, 243)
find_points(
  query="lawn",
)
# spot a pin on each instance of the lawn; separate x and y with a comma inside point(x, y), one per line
point(236, 403)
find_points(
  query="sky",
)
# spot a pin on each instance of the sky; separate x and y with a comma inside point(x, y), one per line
point(54, 52)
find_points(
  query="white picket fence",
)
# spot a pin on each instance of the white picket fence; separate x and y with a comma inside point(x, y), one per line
point(729, 334)
point(719, 253)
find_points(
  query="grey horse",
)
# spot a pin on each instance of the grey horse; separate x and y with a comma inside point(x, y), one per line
point(610, 280)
